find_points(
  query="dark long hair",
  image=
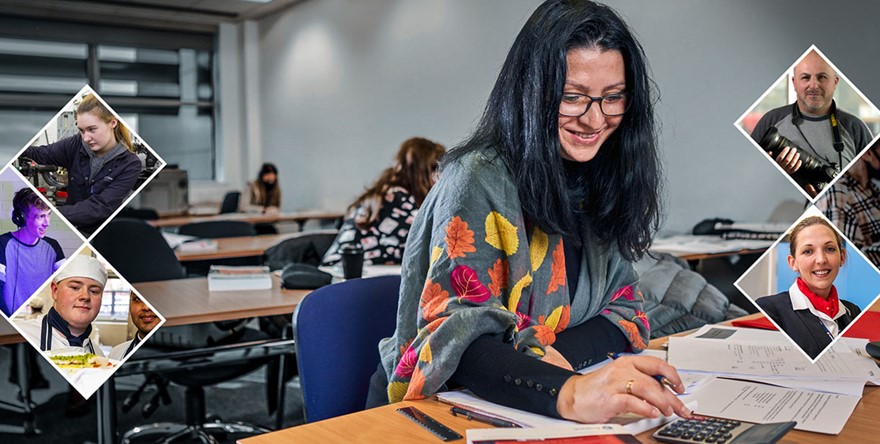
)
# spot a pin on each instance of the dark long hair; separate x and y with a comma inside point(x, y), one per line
point(269, 193)
point(620, 186)
point(413, 169)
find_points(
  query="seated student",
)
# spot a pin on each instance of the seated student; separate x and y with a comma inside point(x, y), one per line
point(379, 220)
point(518, 268)
point(27, 256)
point(101, 167)
point(77, 291)
point(143, 319)
point(811, 312)
point(264, 194)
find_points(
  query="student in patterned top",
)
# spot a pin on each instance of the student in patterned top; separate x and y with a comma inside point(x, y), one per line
point(379, 220)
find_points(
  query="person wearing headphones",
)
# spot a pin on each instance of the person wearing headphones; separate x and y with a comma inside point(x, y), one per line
point(77, 292)
point(811, 312)
point(144, 319)
point(814, 122)
point(27, 256)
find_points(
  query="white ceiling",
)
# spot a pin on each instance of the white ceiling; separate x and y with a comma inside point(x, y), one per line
point(191, 15)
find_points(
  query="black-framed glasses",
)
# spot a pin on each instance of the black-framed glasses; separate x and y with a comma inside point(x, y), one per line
point(576, 105)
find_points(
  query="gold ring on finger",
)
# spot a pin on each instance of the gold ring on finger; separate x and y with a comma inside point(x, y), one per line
point(629, 387)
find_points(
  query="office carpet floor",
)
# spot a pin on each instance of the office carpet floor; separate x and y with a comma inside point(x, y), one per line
point(243, 399)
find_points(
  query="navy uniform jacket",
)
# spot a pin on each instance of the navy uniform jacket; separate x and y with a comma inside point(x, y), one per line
point(90, 201)
point(803, 326)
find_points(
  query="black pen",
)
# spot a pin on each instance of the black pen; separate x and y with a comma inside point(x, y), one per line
point(486, 419)
point(660, 378)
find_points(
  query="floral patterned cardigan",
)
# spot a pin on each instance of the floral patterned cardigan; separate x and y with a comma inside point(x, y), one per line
point(471, 268)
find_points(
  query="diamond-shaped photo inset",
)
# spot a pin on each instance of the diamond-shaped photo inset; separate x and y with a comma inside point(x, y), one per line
point(34, 243)
point(852, 203)
point(812, 285)
point(87, 321)
point(811, 122)
point(87, 161)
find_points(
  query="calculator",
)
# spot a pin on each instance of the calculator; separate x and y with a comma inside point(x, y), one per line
point(721, 431)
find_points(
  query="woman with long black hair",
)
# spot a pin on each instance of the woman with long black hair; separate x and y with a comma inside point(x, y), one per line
point(518, 267)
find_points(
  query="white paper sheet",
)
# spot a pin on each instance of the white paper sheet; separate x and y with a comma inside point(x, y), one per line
point(540, 434)
point(729, 357)
point(752, 402)
point(464, 398)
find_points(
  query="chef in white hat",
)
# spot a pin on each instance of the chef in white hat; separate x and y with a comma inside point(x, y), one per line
point(77, 291)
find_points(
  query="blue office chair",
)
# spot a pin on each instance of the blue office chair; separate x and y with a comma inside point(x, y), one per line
point(337, 329)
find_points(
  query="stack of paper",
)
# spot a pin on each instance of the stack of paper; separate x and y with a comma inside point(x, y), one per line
point(229, 278)
point(776, 382)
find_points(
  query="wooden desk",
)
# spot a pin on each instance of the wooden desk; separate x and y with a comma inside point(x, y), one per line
point(384, 424)
point(245, 246)
point(232, 247)
point(8, 335)
point(298, 217)
point(188, 301)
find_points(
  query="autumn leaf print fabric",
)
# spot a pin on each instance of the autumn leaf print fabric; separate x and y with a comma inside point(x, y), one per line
point(473, 268)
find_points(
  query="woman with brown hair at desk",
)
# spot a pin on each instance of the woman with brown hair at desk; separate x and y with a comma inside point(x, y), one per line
point(264, 194)
point(379, 219)
point(518, 267)
point(810, 312)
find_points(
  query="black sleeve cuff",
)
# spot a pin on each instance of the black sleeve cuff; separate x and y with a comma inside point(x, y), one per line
point(497, 372)
point(590, 342)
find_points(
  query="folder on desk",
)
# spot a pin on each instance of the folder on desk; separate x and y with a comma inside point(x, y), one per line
point(763, 323)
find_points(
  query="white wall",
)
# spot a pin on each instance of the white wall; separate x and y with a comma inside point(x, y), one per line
point(343, 82)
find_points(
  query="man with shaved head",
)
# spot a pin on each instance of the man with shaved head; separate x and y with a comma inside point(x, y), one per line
point(813, 122)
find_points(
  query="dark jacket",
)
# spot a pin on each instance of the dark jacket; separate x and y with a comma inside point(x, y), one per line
point(89, 202)
point(803, 326)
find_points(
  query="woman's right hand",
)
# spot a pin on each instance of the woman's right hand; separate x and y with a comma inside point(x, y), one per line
point(623, 386)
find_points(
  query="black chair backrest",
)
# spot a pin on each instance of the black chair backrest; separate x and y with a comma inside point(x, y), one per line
point(307, 248)
point(230, 202)
point(137, 251)
point(139, 213)
point(218, 229)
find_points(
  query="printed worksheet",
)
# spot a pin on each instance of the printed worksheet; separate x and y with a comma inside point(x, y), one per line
point(728, 357)
point(759, 403)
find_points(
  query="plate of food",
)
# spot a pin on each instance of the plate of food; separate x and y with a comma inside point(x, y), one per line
point(76, 361)
point(85, 371)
